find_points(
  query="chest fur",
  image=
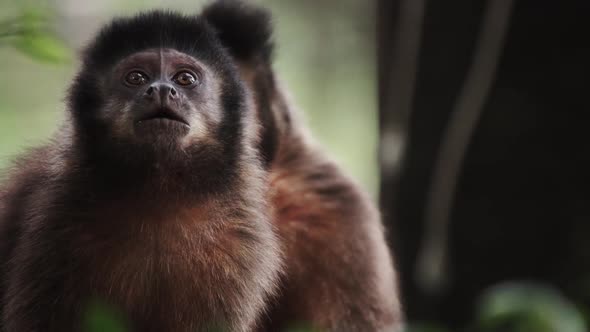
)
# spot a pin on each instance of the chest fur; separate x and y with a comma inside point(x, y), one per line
point(174, 271)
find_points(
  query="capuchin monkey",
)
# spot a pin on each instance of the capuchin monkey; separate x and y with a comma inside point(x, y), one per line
point(182, 192)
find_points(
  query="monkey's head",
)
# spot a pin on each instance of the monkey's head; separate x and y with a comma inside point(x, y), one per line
point(162, 87)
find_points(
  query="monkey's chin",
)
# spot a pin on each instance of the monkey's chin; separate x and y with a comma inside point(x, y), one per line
point(161, 128)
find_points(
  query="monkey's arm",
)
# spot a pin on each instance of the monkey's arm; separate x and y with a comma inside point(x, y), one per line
point(14, 199)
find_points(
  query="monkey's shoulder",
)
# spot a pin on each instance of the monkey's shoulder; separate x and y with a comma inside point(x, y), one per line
point(316, 192)
point(26, 175)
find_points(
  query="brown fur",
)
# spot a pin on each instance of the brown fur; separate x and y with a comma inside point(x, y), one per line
point(339, 274)
point(169, 265)
point(282, 238)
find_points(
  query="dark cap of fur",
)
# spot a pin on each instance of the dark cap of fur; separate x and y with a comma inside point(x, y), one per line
point(155, 29)
point(246, 30)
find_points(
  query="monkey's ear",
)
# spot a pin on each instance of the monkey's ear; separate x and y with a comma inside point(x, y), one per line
point(245, 29)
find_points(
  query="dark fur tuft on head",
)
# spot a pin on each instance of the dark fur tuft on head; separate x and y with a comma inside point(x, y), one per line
point(246, 30)
point(155, 29)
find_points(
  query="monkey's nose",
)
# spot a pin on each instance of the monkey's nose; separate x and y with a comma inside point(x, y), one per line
point(161, 92)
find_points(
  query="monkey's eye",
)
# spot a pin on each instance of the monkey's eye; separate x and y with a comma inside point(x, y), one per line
point(185, 78)
point(136, 78)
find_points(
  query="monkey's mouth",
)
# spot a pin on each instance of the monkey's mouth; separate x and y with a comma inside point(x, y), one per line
point(164, 114)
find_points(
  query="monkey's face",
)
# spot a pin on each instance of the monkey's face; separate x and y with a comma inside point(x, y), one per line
point(162, 97)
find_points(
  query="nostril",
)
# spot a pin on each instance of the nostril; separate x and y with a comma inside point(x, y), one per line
point(173, 92)
point(149, 91)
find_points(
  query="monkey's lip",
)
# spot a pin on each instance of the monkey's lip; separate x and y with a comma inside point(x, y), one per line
point(164, 114)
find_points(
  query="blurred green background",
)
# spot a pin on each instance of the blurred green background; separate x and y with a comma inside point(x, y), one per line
point(327, 61)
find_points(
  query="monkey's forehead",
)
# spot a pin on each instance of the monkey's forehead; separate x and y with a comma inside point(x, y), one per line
point(158, 55)
point(154, 30)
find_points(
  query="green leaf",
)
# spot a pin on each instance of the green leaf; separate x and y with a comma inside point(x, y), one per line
point(42, 46)
point(100, 317)
point(528, 307)
point(29, 33)
point(33, 18)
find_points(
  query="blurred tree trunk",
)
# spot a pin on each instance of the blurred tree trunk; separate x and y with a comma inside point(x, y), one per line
point(520, 207)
